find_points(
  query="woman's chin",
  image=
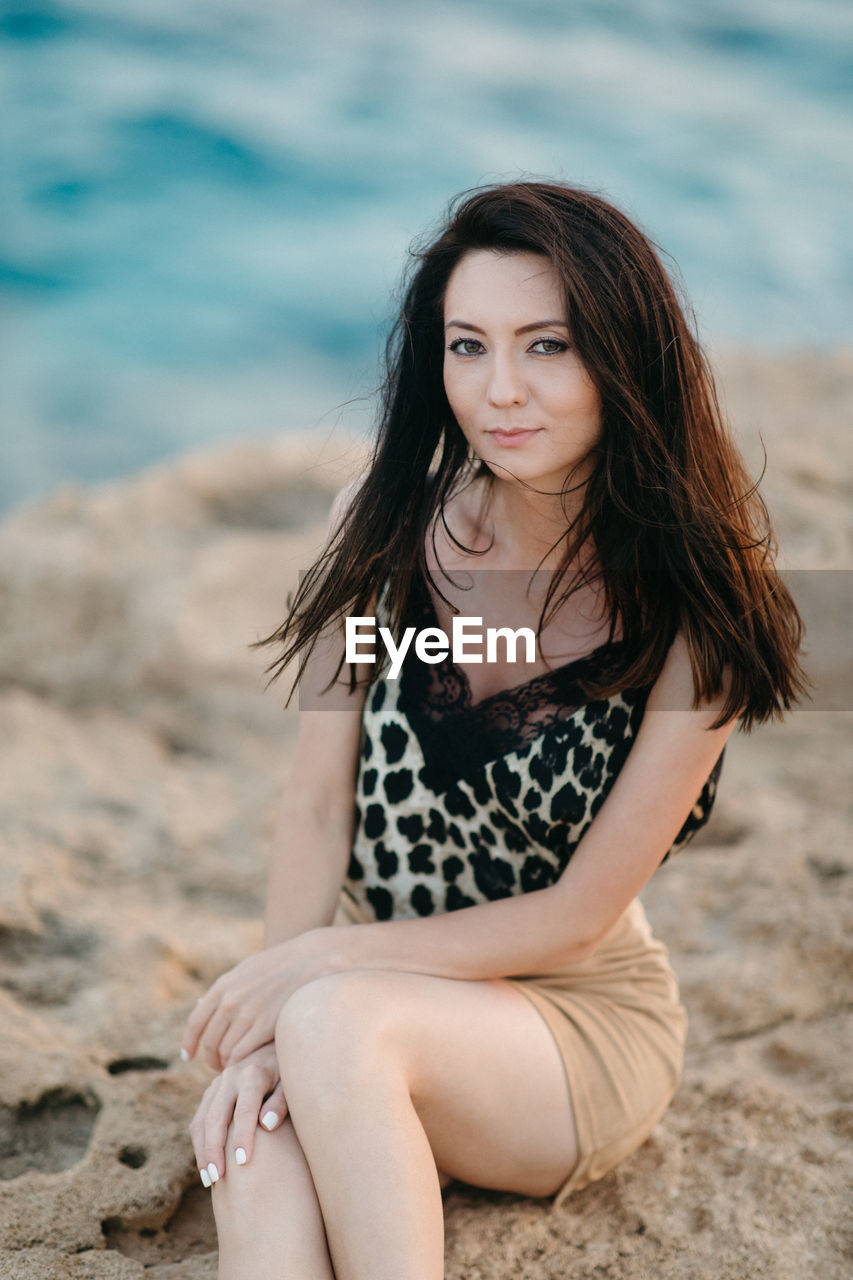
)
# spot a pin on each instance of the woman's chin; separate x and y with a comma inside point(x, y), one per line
point(525, 472)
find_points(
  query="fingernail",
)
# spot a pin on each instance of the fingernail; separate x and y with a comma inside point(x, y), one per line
point(213, 1172)
point(205, 1179)
point(270, 1120)
point(240, 1156)
point(185, 1057)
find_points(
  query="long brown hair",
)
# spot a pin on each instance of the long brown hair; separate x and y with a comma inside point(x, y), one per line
point(682, 537)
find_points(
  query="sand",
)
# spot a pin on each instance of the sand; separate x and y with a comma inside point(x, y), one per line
point(140, 761)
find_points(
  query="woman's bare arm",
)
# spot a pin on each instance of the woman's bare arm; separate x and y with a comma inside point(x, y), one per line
point(313, 836)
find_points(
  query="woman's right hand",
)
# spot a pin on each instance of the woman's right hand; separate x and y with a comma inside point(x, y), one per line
point(242, 1096)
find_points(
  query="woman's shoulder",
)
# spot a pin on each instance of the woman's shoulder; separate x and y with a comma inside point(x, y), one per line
point(673, 690)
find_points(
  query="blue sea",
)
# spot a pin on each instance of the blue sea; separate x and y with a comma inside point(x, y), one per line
point(205, 205)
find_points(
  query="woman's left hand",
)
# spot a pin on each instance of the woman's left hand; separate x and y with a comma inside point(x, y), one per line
point(239, 1012)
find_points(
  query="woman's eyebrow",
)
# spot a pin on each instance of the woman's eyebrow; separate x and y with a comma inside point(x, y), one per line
point(543, 324)
point(525, 328)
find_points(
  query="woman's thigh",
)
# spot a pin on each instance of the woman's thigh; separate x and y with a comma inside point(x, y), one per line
point(482, 1067)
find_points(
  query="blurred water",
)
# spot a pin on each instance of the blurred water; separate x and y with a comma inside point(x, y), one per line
point(206, 205)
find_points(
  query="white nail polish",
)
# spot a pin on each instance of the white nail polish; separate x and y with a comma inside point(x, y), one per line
point(185, 1057)
point(213, 1172)
point(240, 1156)
point(205, 1179)
point(270, 1120)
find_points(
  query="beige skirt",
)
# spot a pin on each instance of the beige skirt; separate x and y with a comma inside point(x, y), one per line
point(620, 1029)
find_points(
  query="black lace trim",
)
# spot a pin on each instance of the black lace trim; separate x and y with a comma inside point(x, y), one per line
point(458, 736)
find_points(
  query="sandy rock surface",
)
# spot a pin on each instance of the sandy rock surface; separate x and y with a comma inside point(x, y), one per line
point(140, 760)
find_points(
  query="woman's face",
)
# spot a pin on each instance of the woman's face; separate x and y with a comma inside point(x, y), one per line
point(520, 394)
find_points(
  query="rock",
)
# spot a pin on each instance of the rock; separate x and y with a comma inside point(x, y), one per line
point(140, 762)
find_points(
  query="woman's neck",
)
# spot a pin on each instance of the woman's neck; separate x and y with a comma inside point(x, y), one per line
point(522, 527)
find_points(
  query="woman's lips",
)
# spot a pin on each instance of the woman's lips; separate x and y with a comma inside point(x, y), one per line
point(512, 438)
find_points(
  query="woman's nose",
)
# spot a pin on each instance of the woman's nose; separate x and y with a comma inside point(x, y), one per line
point(506, 385)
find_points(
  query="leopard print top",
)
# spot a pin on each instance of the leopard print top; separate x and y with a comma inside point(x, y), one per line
point(458, 804)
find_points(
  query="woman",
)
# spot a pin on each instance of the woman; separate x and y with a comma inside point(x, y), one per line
point(551, 456)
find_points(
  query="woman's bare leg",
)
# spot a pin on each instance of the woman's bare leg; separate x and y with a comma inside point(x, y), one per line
point(268, 1218)
point(388, 1075)
point(267, 1215)
point(380, 1195)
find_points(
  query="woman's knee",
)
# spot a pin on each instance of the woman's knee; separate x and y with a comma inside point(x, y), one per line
point(268, 1218)
point(336, 1027)
point(277, 1166)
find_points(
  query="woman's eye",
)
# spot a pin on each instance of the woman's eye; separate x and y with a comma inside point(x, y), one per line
point(549, 346)
point(466, 346)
